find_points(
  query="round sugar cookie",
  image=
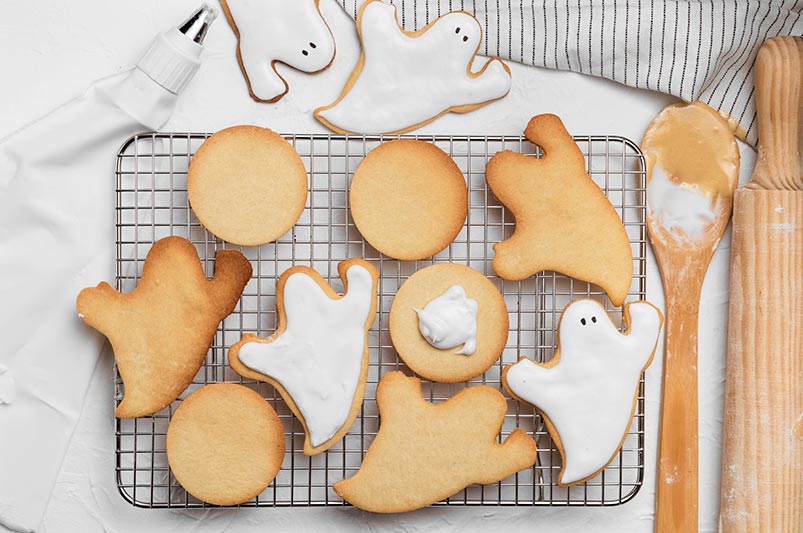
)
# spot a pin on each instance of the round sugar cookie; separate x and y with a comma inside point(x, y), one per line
point(247, 185)
point(447, 320)
point(408, 199)
point(225, 444)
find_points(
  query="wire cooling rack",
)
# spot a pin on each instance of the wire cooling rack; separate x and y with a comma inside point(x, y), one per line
point(152, 203)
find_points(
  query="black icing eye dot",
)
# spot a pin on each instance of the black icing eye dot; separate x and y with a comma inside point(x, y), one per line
point(465, 38)
point(457, 30)
point(313, 45)
point(305, 52)
point(583, 321)
point(594, 319)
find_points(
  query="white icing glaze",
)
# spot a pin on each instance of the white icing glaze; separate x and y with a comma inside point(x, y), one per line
point(450, 320)
point(8, 387)
point(289, 31)
point(318, 357)
point(685, 213)
point(588, 395)
point(408, 80)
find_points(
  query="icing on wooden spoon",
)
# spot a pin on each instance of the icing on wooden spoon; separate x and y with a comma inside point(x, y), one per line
point(692, 171)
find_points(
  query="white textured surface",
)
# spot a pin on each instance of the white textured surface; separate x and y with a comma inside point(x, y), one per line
point(53, 49)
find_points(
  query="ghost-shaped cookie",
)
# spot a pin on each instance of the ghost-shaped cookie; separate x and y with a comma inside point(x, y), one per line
point(404, 80)
point(587, 391)
point(564, 222)
point(162, 330)
point(292, 32)
point(424, 453)
point(318, 357)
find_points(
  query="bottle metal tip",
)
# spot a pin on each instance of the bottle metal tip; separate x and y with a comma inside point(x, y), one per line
point(197, 25)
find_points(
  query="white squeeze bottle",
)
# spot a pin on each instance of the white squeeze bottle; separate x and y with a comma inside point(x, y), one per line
point(57, 236)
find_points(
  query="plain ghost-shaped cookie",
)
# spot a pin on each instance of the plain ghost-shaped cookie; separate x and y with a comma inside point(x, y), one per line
point(424, 453)
point(162, 330)
point(564, 222)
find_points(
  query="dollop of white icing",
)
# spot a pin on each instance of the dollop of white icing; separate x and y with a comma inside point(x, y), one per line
point(450, 320)
point(685, 213)
point(588, 395)
point(318, 357)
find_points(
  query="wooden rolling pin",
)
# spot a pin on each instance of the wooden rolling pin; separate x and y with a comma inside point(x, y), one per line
point(762, 480)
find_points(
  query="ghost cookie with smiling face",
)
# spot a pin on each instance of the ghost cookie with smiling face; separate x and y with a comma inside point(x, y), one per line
point(407, 79)
point(292, 32)
point(587, 391)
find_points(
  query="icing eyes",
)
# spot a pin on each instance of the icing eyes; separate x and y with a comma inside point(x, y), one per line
point(583, 321)
point(457, 30)
point(465, 38)
point(312, 45)
point(593, 319)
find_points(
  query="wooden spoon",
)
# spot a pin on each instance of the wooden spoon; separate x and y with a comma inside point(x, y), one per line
point(692, 171)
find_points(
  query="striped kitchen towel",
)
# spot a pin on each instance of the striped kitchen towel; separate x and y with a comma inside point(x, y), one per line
point(693, 49)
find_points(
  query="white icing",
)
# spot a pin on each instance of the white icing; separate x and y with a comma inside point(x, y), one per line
point(289, 31)
point(408, 80)
point(318, 357)
point(8, 387)
point(450, 320)
point(684, 212)
point(588, 395)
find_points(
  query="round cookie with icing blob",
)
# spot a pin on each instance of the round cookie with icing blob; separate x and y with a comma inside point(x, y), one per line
point(408, 199)
point(404, 80)
point(225, 444)
point(247, 185)
point(449, 323)
point(292, 32)
point(587, 392)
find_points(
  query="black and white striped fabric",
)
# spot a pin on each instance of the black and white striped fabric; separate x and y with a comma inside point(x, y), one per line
point(693, 49)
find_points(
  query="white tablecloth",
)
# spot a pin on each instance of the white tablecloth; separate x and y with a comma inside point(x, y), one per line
point(53, 49)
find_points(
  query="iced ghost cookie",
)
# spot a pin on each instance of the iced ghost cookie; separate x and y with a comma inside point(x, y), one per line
point(408, 199)
point(425, 453)
point(225, 444)
point(404, 80)
point(564, 222)
point(292, 32)
point(161, 331)
point(587, 392)
point(318, 357)
point(247, 185)
point(448, 322)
